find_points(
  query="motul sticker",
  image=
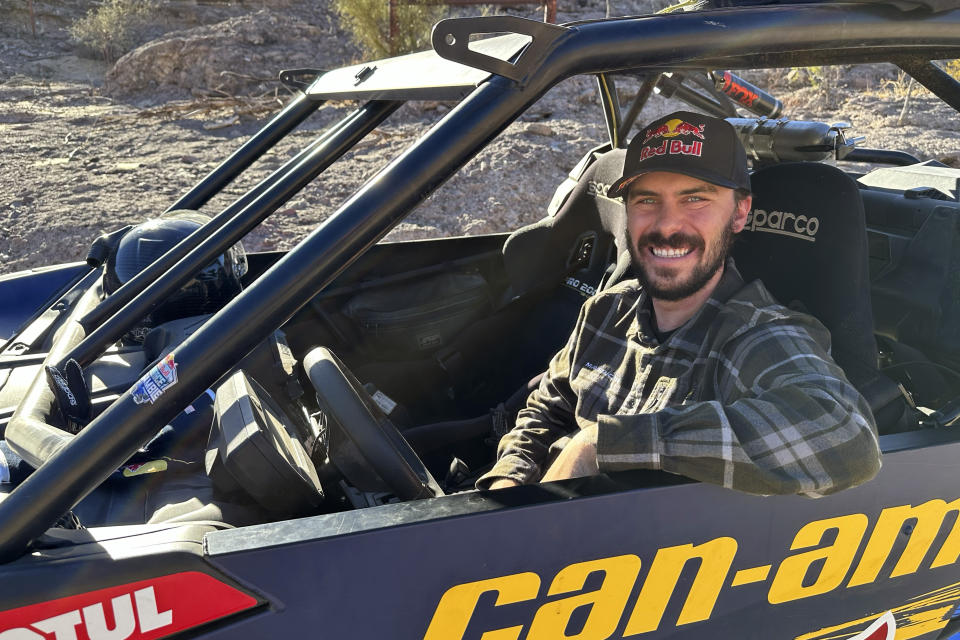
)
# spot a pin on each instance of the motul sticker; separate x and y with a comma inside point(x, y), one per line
point(142, 610)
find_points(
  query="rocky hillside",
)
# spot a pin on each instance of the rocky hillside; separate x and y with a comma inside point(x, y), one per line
point(89, 147)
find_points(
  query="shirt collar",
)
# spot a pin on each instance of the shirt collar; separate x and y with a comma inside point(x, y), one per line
point(691, 333)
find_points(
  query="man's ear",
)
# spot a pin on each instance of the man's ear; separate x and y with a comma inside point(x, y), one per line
point(741, 213)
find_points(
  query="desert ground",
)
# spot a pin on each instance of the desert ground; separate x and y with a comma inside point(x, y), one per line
point(89, 146)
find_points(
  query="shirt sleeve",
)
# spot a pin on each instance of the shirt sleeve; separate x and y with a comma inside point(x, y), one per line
point(787, 422)
point(523, 453)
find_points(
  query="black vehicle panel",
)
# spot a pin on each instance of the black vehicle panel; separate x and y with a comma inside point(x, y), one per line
point(757, 551)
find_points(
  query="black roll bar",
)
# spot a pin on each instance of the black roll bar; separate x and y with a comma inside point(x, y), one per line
point(292, 115)
point(238, 219)
point(643, 94)
point(115, 301)
point(607, 89)
point(881, 156)
point(938, 81)
point(298, 110)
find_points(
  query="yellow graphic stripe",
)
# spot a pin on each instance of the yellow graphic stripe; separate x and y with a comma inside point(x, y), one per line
point(746, 576)
point(922, 614)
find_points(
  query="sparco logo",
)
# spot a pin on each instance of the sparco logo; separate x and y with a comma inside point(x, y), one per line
point(597, 188)
point(784, 223)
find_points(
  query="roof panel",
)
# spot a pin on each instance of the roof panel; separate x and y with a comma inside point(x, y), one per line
point(417, 76)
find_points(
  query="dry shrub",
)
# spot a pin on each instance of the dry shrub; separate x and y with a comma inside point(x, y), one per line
point(114, 27)
point(952, 67)
point(369, 22)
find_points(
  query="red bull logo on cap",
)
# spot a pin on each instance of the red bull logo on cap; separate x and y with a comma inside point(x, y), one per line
point(672, 129)
point(672, 147)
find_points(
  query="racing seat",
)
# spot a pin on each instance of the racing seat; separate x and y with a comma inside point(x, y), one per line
point(556, 263)
point(550, 267)
point(806, 239)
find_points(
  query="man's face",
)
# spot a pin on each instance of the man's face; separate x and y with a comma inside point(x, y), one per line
point(680, 231)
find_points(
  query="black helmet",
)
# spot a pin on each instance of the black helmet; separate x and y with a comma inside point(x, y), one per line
point(209, 290)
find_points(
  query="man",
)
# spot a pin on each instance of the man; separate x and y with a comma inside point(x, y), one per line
point(689, 369)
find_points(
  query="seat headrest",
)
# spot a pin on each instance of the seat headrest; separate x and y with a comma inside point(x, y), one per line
point(806, 240)
point(541, 252)
point(609, 168)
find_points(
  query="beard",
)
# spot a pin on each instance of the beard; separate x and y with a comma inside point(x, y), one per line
point(664, 283)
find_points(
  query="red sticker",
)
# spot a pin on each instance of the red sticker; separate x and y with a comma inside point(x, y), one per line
point(143, 610)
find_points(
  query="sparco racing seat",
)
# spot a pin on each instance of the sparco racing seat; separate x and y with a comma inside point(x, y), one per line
point(561, 260)
point(806, 239)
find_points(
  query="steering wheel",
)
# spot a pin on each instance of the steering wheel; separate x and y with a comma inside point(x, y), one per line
point(347, 404)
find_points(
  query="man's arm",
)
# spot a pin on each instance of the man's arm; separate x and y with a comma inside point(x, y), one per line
point(523, 452)
point(789, 422)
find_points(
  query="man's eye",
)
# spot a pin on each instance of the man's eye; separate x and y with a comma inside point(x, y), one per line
point(695, 199)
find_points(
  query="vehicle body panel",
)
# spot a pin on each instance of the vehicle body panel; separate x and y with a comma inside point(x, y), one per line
point(32, 291)
point(383, 566)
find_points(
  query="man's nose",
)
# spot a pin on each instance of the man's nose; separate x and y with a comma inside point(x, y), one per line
point(669, 220)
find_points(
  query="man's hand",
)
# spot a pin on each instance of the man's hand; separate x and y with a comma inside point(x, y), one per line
point(503, 483)
point(578, 458)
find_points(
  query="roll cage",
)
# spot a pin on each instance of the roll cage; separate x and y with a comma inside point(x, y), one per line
point(497, 80)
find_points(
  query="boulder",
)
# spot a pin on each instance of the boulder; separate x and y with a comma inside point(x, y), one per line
point(241, 55)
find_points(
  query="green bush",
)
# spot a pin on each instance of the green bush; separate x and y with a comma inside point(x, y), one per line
point(114, 27)
point(369, 22)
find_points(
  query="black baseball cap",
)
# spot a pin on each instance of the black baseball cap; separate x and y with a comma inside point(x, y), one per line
point(689, 143)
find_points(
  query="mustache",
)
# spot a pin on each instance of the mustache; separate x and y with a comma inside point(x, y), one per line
point(675, 241)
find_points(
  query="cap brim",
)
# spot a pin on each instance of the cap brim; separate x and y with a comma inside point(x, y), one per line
point(617, 189)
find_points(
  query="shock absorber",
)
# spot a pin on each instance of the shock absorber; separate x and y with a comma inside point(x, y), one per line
point(747, 95)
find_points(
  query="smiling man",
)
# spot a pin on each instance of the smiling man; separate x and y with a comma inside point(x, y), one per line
point(688, 368)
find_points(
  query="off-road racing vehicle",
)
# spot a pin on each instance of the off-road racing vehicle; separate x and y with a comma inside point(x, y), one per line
point(283, 445)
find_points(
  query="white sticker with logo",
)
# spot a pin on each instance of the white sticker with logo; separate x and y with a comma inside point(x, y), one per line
point(158, 379)
point(383, 401)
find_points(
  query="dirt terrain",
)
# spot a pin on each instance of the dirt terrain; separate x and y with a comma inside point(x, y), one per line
point(89, 147)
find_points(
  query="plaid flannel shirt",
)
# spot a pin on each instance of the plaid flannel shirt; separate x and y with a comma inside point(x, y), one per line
point(743, 395)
